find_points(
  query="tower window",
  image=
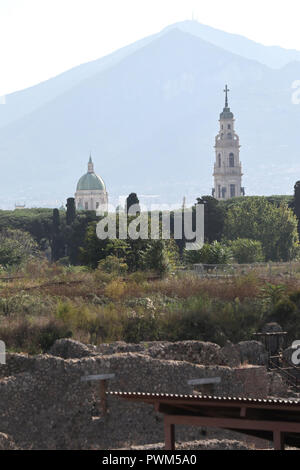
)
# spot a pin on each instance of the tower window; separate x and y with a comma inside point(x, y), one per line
point(219, 191)
point(229, 126)
point(223, 193)
point(232, 190)
point(86, 205)
point(229, 135)
point(219, 160)
point(231, 160)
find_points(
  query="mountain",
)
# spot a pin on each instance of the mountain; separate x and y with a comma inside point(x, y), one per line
point(20, 103)
point(23, 102)
point(149, 113)
point(272, 56)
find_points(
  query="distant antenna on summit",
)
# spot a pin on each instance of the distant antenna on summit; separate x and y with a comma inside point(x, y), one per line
point(194, 16)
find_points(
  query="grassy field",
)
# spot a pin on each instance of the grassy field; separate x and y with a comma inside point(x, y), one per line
point(42, 302)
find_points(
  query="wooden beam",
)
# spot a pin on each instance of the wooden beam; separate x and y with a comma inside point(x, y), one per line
point(103, 388)
point(103, 378)
point(233, 423)
point(169, 434)
point(278, 439)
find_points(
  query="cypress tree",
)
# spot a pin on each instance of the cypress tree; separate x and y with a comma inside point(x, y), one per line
point(132, 200)
point(297, 203)
point(71, 210)
point(55, 221)
point(57, 245)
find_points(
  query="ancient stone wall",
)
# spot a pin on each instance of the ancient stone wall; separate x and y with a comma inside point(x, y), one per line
point(45, 405)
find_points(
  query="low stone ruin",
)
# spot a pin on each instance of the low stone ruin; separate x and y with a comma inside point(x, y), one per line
point(45, 404)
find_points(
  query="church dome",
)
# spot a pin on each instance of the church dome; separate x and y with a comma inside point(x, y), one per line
point(90, 181)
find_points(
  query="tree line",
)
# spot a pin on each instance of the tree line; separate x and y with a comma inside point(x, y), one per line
point(246, 229)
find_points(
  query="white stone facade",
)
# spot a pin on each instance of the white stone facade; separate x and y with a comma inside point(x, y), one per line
point(228, 169)
point(90, 200)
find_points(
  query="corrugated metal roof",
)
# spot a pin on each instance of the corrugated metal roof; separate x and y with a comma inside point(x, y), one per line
point(201, 398)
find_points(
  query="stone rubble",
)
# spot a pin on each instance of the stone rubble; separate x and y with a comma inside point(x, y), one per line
point(45, 405)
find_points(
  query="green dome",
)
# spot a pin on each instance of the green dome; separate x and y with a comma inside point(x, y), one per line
point(90, 182)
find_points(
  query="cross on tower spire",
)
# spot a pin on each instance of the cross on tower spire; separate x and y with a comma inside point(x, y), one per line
point(226, 96)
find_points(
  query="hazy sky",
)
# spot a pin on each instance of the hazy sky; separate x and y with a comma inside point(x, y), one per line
point(41, 38)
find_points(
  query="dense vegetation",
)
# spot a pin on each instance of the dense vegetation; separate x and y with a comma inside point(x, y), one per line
point(58, 279)
point(249, 229)
point(107, 304)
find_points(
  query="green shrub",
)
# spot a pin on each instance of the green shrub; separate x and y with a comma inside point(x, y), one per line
point(237, 321)
point(141, 326)
point(27, 304)
point(34, 336)
point(156, 258)
point(214, 253)
point(201, 318)
point(273, 293)
point(16, 247)
point(115, 289)
point(285, 312)
point(65, 261)
point(51, 332)
point(113, 265)
point(295, 297)
point(257, 218)
point(139, 276)
point(246, 251)
point(76, 317)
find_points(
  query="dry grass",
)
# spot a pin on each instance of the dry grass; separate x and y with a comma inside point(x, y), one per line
point(190, 286)
point(51, 301)
point(55, 280)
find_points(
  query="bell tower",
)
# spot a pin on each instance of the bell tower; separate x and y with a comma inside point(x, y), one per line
point(228, 169)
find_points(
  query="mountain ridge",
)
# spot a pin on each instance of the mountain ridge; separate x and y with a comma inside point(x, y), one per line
point(151, 119)
point(192, 27)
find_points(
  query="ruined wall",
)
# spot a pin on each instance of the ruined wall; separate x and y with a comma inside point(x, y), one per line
point(45, 405)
